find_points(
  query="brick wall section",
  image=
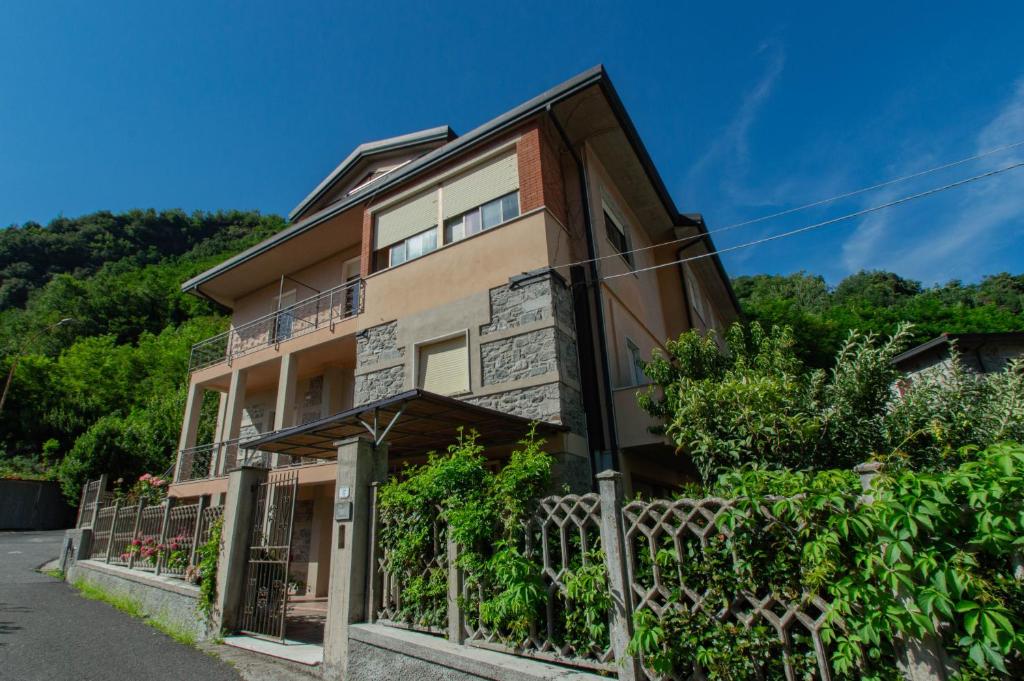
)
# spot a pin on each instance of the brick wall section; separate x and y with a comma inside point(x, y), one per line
point(531, 177)
point(366, 252)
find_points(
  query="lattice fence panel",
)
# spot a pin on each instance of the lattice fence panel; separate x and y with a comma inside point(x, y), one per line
point(430, 572)
point(562, 536)
point(147, 539)
point(210, 515)
point(101, 532)
point(663, 541)
point(122, 533)
point(181, 527)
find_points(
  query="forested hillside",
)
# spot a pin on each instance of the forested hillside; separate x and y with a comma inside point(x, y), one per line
point(877, 301)
point(105, 392)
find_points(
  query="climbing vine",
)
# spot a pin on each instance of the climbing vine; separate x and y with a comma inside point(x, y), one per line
point(484, 512)
point(931, 556)
point(209, 554)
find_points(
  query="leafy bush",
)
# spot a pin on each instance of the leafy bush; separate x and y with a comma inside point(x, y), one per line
point(208, 555)
point(757, 403)
point(933, 554)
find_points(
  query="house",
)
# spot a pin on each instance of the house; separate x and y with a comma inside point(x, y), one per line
point(980, 352)
point(515, 273)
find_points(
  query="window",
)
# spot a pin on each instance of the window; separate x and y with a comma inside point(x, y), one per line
point(412, 248)
point(490, 214)
point(636, 363)
point(696, 297)
point(617, 235)
point(444, 366)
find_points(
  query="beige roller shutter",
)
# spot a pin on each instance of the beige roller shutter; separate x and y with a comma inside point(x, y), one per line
point(407, 218)
point(490, 180)
point(444, 366)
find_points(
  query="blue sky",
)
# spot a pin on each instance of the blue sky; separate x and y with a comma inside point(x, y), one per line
point(746, 110)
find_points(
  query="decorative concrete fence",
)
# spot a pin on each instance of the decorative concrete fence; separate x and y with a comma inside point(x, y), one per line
point(644, 547)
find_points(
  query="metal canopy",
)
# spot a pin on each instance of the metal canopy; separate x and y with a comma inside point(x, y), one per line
point(413, 422)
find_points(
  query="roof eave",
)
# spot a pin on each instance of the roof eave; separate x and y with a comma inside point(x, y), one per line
point(476, 136)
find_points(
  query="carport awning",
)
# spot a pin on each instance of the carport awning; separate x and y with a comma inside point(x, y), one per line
point(413, 422)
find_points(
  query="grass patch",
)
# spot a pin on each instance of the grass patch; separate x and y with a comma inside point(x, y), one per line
point(56, 573)
point(132, 607)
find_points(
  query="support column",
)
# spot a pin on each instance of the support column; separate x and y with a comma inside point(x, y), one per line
point(233, 417)
point(234, 548)
point(613, 542)
point(284, 411)
point(217, 452)
point(190, 424)
point(359, 464)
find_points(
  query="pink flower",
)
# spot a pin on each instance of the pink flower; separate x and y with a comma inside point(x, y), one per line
point(144, 477)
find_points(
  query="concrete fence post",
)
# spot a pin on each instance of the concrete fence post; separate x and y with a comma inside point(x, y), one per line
point(197, 530)
point(359, 464)
point(234, 549)
point(374, 582)
point(921, 659)
point(613, 542)
point(113, 526)
point(135, 533)
point(161, 557)
point(456, 616)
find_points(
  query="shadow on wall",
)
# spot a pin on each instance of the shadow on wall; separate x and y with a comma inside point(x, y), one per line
point(33, 505)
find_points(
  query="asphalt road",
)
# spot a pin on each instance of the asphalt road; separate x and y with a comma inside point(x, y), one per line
point(50, 633)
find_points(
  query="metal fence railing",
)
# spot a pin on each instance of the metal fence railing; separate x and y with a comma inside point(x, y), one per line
point(161, 538)
point(298, 319)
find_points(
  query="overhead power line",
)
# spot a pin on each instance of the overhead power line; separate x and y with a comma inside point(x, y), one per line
point(806, 206)
point(824, 223)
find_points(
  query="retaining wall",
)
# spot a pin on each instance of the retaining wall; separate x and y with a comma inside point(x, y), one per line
point(166, 599)
point(33, 505)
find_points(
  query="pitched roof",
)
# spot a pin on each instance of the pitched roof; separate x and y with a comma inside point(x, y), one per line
point(368, 150)
point(544, 102)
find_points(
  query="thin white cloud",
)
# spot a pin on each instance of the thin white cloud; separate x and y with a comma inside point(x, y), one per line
point(959, 235)
point(728, 156)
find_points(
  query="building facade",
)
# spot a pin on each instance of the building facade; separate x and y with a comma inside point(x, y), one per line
point(526, 267)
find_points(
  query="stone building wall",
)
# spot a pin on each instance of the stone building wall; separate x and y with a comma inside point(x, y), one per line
point(380, 365)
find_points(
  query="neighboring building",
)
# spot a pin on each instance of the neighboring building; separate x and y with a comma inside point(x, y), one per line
point(979, 352)
point(433, 265)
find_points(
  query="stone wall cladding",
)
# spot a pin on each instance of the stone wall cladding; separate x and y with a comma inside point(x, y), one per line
point(540, 402)
point(573, 414)
point(516, 306)
point(377, 385)
point(517, 357)
point(378, 344)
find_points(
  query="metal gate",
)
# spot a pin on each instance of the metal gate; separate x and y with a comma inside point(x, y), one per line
point(265, 599)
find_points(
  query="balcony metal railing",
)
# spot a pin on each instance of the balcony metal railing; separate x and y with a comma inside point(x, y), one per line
point(204, 462)
point(298, 319)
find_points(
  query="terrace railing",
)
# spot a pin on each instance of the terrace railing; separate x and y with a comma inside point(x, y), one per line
point(306, 316)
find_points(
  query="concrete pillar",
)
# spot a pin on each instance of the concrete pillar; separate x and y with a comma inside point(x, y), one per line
point(614, 545)
point(234, 549)
point(359, 464)
point(217, 453)
point(190, 423)
point(284, 412)
point(233, 416)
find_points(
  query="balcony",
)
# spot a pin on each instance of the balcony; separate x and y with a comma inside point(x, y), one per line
point(209, 461)
point(305, 316)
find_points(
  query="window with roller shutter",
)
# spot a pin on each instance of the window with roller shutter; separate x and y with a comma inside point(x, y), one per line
point(444, 366)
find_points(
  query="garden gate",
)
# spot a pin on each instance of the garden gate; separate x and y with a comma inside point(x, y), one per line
point(265, 597)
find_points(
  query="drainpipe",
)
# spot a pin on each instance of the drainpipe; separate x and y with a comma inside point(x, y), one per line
point(595, 283)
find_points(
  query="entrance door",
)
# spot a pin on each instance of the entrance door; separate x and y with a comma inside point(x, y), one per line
point(265, 599)
point(285, 316)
